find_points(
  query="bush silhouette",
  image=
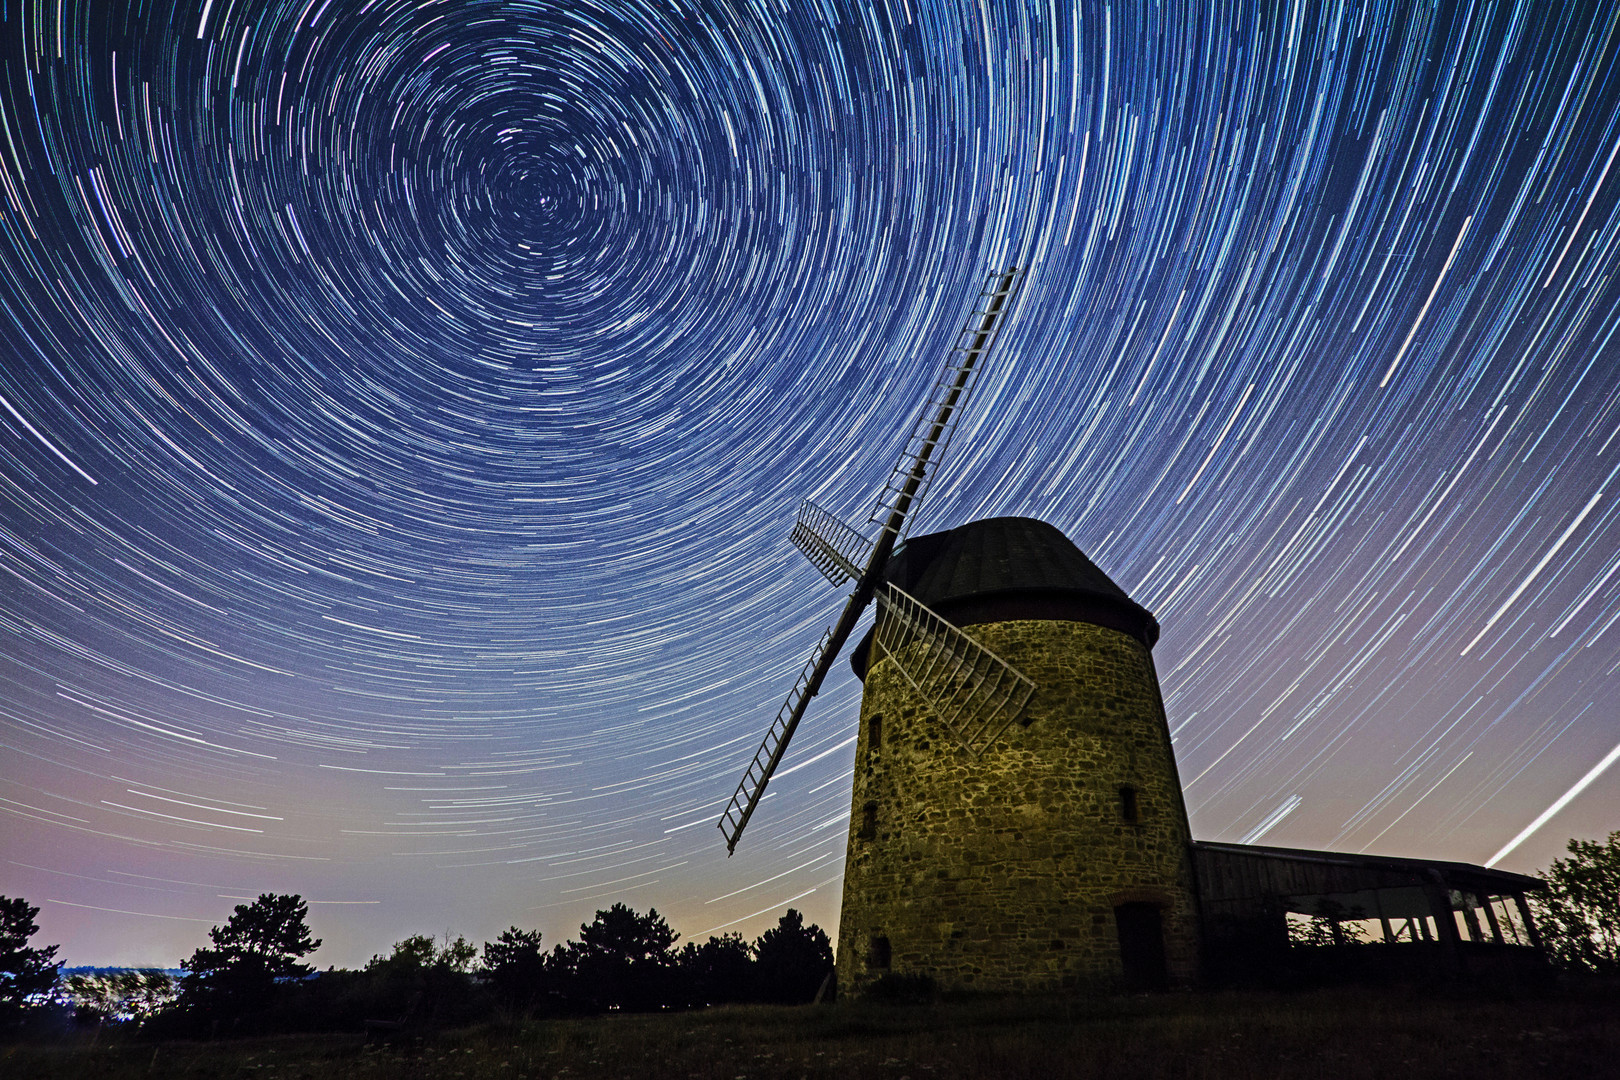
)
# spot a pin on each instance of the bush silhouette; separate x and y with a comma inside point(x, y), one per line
point(250, 978)
point(720, 970)
point(1579, 911)
point(420, 983)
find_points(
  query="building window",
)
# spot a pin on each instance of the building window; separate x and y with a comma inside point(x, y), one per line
point(880, 953)
point(874, 732)
point(1129, 811)
point(868, 822)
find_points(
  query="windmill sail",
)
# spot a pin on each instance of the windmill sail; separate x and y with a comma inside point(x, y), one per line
point(752, 788)
point(936, 421)
point(828, 543)
point(973, 691)
point(837, 550)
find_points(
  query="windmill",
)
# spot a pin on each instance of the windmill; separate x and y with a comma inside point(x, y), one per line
point(982, 859)
point(972, 690)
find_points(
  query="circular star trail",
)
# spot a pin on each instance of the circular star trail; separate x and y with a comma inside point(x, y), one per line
point(405, 406)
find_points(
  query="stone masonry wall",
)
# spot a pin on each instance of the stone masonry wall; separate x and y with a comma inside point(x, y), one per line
point(1002, 873)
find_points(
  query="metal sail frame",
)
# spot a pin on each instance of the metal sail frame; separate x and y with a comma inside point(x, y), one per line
point(974, 692)
point(837, 550)
point(905, 487)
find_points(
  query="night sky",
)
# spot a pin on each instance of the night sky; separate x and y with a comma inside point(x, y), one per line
point(405, 406)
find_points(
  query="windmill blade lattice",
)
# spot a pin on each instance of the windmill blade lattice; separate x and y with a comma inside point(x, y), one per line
point(931, 435)
point(752, 787)
point(973, 691)
point(836, 549)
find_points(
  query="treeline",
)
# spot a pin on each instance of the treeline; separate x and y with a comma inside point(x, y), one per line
point(251, 978)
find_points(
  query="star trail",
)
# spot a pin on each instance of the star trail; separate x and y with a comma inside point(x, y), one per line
point(404, 407)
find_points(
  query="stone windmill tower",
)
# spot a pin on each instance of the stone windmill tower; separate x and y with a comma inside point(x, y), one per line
point(1017, 821)
point(1057, 855)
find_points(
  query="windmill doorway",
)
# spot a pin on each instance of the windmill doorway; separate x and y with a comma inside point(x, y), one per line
point(1141, 946)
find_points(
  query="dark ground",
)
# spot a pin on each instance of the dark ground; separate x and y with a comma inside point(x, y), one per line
point(1343, 1034)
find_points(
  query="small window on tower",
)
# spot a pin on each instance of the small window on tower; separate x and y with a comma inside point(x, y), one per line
point(868, 822)
point(874, 732)
point(1129, 812)
point(880, 952)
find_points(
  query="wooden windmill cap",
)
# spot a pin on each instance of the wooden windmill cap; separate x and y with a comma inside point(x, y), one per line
point(1005, 569)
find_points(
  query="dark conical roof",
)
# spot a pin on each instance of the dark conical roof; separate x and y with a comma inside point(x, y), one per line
point(996, 555)
point(1001, 569)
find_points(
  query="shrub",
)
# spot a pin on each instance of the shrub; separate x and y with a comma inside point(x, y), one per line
point(1579, 911)
point(720, 970)
point(123, 996)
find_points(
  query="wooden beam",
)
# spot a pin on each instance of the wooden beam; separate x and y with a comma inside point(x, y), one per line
point(1472, 920)
point(1383, 920)
point(1445, 924)
point(1490, 917)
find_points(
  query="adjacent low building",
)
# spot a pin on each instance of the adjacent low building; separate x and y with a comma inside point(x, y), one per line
point(1266, 912)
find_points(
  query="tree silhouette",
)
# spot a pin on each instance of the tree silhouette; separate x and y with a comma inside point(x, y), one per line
point(718, 971)
point(1579, 911)
point(516, 967)
point(259, 947)
point(793, 959)
point(24, 972)
point(622, 961)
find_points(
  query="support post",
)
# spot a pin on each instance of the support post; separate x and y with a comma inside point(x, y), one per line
point(1469, 899)
point(1445, 923)
point(1490, 917)
point(1529, 922)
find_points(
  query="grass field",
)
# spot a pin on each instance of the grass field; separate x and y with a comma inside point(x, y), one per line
point(1339, 1034)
